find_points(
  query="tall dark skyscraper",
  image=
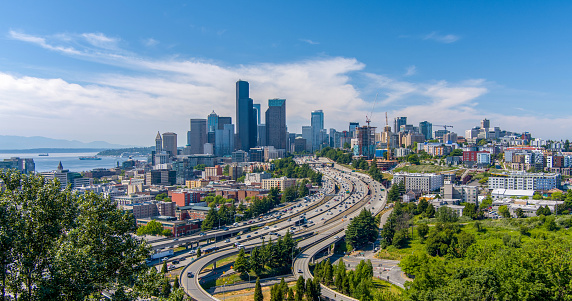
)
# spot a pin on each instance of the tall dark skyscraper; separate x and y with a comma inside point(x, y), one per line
point(170, 143)
point(276, 123)
point(197, 136)
point(245, 117)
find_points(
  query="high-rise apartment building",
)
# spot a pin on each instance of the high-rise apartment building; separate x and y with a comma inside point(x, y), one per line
point(398, 122)
point(261, 133)
point(317, 123)
point(365, 142)
point(276, 123)
point(426, 128)
point(197, 136)
point(170, 143)
point(245, 118)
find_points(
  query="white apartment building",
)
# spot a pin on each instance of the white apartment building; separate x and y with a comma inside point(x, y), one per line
point(484, 158)
point(524, 181)
point(281, 183)
point(419, 182)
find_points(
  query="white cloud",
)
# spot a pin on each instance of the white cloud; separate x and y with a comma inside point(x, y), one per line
point(100, 40)
point(150, 42)
point(447, 39)
point(411, 70)
point(166, 93)
point(309, 41)
point(41, 42)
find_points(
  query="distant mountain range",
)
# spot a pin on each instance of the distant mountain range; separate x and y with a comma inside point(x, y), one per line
point(23, 143)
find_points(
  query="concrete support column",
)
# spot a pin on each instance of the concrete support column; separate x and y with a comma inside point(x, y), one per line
point(214, 265)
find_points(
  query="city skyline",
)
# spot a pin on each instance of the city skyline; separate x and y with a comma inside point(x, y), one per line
point(58, 79)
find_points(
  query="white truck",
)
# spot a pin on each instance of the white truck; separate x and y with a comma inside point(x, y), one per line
point(162, 254)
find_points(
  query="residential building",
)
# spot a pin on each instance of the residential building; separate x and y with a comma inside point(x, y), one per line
point(281, 183)
point(365, 146)
point(419, 182)
point(25, 166)
point(464, 193)
point(524, 181)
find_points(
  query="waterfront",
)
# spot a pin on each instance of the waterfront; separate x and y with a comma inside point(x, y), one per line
point(70, 161)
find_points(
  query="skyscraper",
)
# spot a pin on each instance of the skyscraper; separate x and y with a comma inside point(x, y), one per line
point(212, 122)
point(485, 124)
point(170, 143)
point(245, 118)
point(224, 144)
point(307, 135)
point(257, 112)
point(352, 128)
point(158, 143)
point(426, 128)
point(398, 122)
point(197, 135)
point(276, 123)
point(317, 123)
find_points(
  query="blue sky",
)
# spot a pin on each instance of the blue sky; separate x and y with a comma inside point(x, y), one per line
point(119, 71)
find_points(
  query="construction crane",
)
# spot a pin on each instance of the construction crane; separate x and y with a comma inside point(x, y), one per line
point(368, 119)
point(444, 126)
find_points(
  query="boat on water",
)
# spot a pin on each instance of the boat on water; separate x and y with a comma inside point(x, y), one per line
point(90, 158)
point(43, 155)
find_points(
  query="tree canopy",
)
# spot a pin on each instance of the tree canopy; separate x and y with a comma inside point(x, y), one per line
point(63, 245)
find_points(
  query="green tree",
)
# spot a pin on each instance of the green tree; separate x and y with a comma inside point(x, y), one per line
point(422, 231)
point(258, 291)
point(362, 229)
point(300, 288)
point(486, 203)
point(199, 252)
point(470, 210)
point(519, 213)
point(430, 211)
point(166, 289)
point(166, 232)
point(176, 285)
point(152, 228)
point(503, 211)
point(44, 229)
point(164, 268)
point(241, 263)
point(290, 295)
point(446, 215)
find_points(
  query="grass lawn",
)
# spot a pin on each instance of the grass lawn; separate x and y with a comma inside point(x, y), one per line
point(247, 294)
point(492, 233)
point(423, 168)
point(386, 286)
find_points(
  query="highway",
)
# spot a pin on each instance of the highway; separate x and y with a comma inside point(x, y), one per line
point(327, 219)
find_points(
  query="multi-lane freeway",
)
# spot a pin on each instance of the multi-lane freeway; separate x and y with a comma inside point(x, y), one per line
point(326, 219)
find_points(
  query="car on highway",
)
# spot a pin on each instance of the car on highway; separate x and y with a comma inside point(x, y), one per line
point(228, 240)
point(175, 239)
point(190, 275)
point(300, 271)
